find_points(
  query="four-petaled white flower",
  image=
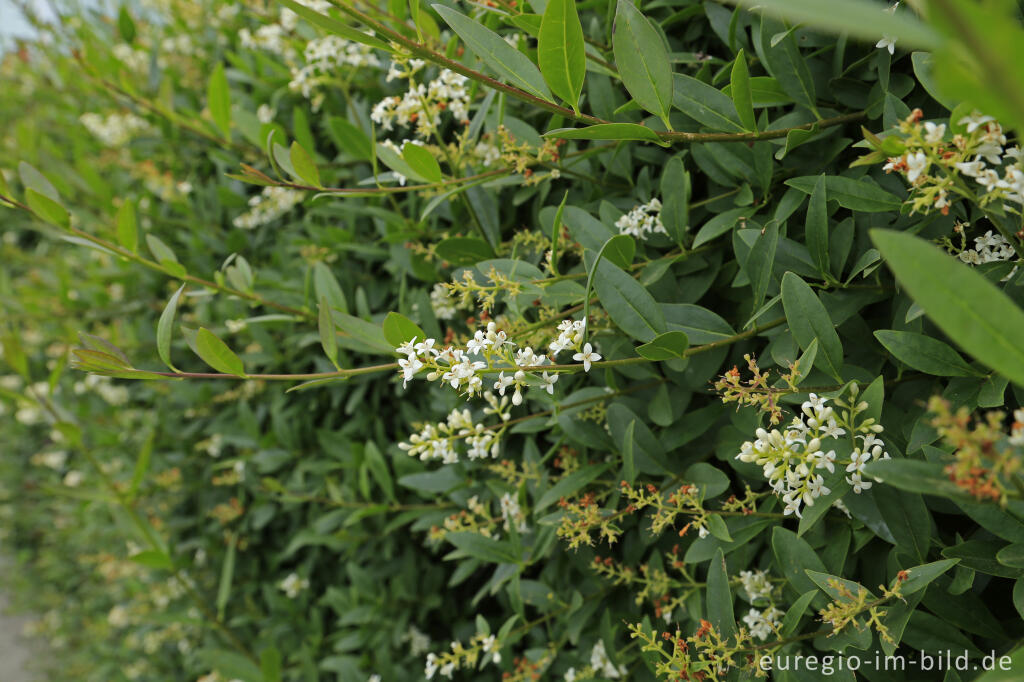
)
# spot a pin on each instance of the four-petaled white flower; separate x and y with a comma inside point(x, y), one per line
point(586, 356)
point(917, 162)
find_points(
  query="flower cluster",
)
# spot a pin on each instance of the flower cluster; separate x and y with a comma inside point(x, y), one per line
point(991, 247)
point(115, 129)
point(971, 161)
point(324, 57)
point(443, 305)
point(763, 623)
point(268, 206)
point(986, 459)
point(792, 459)
point(463, 372)
point(482, 644)
point(756, 584)
point(437, 441)
point(643, 221)
point(422, 105)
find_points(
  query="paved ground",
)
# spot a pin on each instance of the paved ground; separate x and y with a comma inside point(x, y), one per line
point(14, 650)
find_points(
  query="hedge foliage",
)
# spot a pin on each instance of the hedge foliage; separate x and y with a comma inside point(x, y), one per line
point(518, 339)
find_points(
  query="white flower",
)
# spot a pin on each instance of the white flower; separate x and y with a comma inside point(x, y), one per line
point(917, 162)
point(549, 382)
point(975, 121)
point(292, 585)
point(887, 43)
point(586, 356)
point(642, 221)
point(73, 478)
point(858, 483)
point(934, 133)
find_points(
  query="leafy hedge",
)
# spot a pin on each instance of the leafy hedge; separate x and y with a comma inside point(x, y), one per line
point(516, 340)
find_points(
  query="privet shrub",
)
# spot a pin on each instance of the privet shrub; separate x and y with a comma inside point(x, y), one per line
point(516, 340)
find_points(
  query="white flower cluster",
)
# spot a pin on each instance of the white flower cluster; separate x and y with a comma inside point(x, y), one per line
point(442, 303)
point(267, 206)
point(136, 60)
point(603, 665)
point(115, 129)
point(763, 623)
point(422, 105)
point(324, 58)
point(104, 387)
point(989, 248)
point(418, 641)
point(756, 585)
point(643, 221)
point(570, 336)
point(293, 585)
point(447, 664)
point(437, 441)
point(511, 513)
point(792, 458)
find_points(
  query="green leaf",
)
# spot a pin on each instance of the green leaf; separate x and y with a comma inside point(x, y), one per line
point(161, 252)
point(627, 302)
point(334, 26)
point(350, 138)
point(399, 329)
point(127, 227)
point(1011, 555)
point(793, 556)
point(907, 517)
point(719, 597)
point(480, 547)
point(270, 664)
point(765, 91)
point(231, 664)
point(629, 454)
point(218, 99)
point(665, 346)
point(227, 574)
point(856, 195)
point(718, 528)
point(464, 250)
point(785, 62)
point(33, 179)
point(862, 19)
point(164, 329)
point(706, 105)
point(742, 97)
point(919, 577)
point(914, 476)
point(609, 131)
point(761, 261)
point(393, 160)
point(47, 209)
point(304, 165)
point(508, 62)
point(925, 353)
point(980, 555)
point(569, 485)
point(620, 250)
point(328, 334)
point(968, 308)
point(643, 60)
point(808, 320)
point(816, 227)
point(560, 53)
point(325, 285)
point(826, 582)
point(153, 559)
point(216, 354)
point(792, 619)
point(422, 162)
point(675, 192)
